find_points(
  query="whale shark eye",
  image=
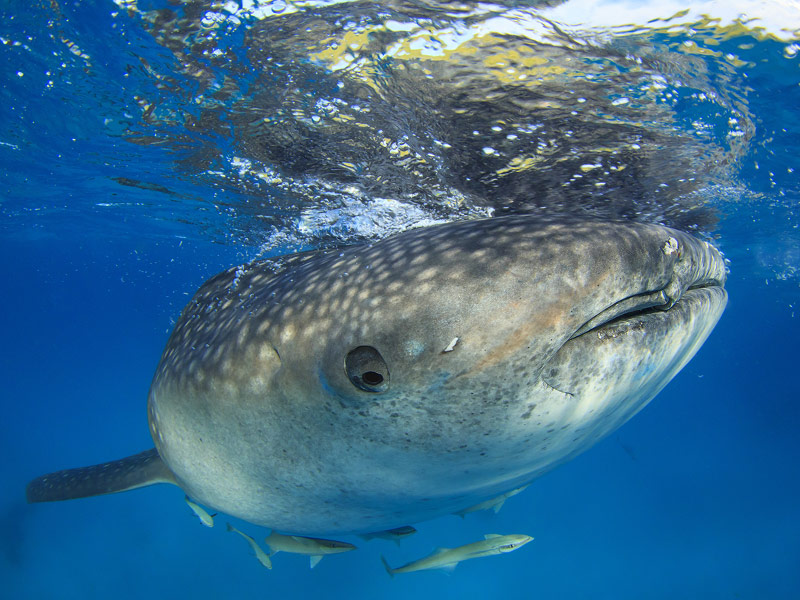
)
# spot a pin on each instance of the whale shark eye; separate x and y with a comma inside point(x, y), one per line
point(366, 369)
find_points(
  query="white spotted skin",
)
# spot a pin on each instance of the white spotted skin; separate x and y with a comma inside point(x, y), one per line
point(253, 411)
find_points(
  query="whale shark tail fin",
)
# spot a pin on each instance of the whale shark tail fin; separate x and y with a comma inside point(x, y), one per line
point(139, 470)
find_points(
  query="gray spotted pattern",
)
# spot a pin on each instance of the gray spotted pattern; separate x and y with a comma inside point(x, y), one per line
point(252, 408)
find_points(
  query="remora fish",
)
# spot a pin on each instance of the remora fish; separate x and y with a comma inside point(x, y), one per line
point(315, 548)
point(262, 556)
point(201, 513)
point(327, 403)
point(392, 535)
point(448, 558)
point(495, 503)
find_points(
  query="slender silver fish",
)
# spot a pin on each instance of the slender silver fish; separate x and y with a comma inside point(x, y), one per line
point(448, 558)
point(392, 535)
point(495, 503)
point(262, 556)
point(315, 548)
point(201, 513)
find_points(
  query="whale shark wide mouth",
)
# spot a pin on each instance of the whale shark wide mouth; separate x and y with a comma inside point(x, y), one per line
point(638, 305)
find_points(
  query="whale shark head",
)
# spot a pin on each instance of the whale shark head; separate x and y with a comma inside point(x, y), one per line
point(380, 385)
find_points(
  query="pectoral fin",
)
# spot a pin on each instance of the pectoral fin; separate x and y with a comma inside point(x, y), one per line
point(139, 470)
point(314, 559)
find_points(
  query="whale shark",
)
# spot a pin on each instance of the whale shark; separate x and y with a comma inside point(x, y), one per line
point(366, 388)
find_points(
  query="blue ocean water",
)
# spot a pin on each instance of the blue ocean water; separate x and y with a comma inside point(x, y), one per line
point(146, 146)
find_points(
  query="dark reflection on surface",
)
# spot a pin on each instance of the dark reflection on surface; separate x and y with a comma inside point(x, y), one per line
point(457, 109)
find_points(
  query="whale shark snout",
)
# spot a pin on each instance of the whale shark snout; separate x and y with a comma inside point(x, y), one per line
point(380, 385)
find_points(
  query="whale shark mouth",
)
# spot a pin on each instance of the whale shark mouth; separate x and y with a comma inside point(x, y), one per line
point(635, 328)
point(638, 305)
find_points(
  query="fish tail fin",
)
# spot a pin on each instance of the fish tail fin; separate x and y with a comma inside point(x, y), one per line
point(271, 550)
point(139, 470)
point(386, 566)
